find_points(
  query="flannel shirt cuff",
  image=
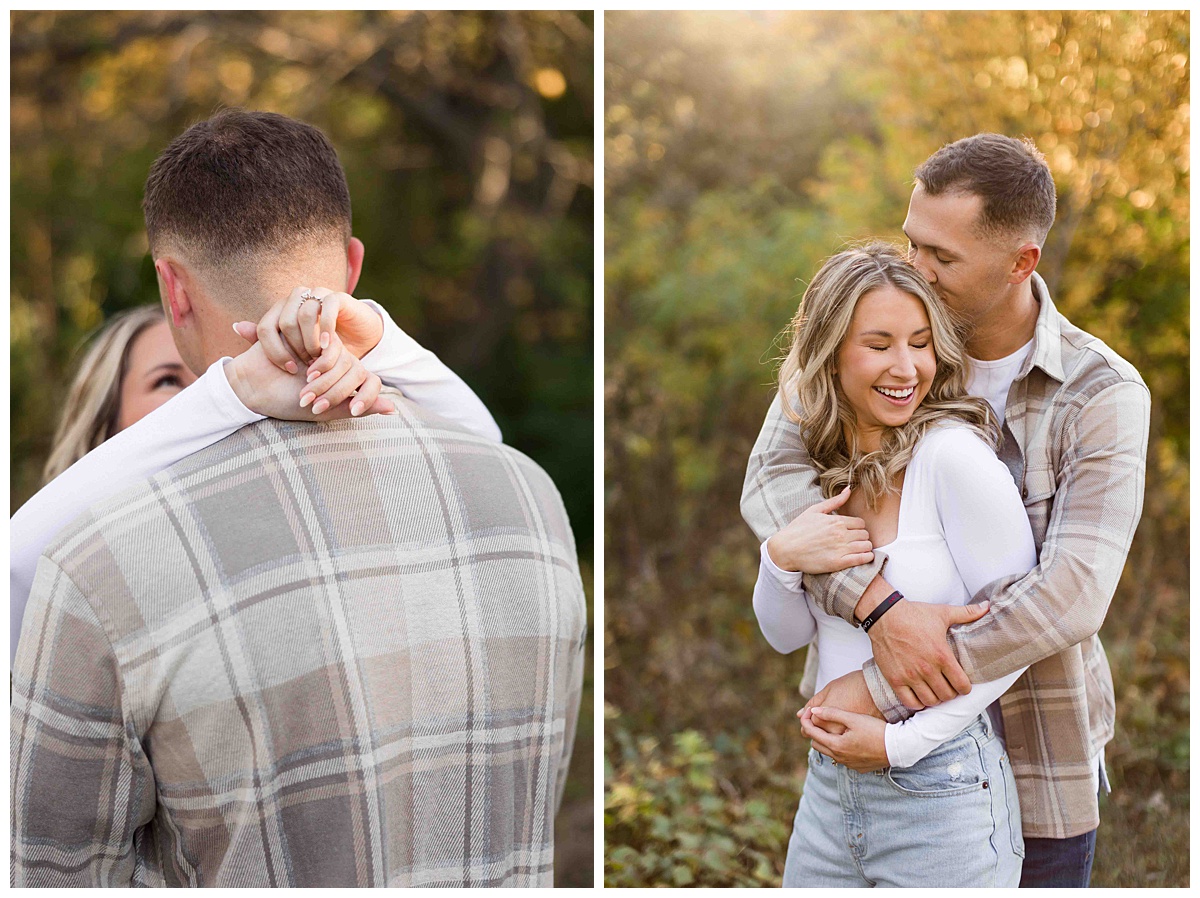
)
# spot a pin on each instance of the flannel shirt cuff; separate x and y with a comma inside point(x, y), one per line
point(883, 695)
point(838, 593)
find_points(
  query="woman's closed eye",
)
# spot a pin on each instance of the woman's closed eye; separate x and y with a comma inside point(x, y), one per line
point(168, 380)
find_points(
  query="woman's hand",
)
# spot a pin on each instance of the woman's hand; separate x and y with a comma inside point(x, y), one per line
point(266, 390)
point(335, 376)
point(299, 327)
point(855, 740)
point(820, 542)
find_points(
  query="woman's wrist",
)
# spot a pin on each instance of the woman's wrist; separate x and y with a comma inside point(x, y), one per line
point(239, 383)
point(252, 378)
point(780, 558)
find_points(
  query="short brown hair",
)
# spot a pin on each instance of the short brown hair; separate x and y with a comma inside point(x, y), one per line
point(1010, 175)
point(243, 182)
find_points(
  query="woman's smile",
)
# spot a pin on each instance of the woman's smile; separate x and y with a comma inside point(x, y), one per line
point(886, 363)
point(900, 396)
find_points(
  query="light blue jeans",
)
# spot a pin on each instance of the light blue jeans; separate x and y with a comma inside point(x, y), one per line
point(951, 819)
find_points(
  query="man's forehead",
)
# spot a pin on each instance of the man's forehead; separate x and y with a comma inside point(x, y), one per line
point(949, 215)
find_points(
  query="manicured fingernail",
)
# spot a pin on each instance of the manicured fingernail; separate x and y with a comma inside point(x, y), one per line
point(291, 367)
point(357, 408)
point(320, 405)
point(313, 375)
point(306, 399)
point(325, 341)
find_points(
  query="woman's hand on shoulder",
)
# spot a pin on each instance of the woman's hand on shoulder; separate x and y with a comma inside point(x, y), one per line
point(819, 541)
point(295, 331)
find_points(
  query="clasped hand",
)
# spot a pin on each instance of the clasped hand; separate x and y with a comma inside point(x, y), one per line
point(844, 724)
point(329, 337)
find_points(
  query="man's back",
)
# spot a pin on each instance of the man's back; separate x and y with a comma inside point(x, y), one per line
point(347, 654)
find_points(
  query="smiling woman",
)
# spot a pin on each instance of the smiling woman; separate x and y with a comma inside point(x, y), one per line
point(841, 352)
point(908, 457)
point(886, 364)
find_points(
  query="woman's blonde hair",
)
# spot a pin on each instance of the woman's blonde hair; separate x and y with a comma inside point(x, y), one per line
point(93, 404)
point(812, 396)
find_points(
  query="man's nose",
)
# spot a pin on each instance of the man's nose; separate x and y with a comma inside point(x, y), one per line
point(920, 261)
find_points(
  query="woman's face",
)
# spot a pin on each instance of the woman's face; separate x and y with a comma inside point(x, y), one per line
point(155, 374)
point(886, 364)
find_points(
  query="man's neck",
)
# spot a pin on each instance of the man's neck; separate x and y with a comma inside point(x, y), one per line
point(210, 337)
point(1010, 327)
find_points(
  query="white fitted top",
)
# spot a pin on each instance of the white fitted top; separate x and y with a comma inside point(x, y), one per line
point(961, 526)
point(204, 413)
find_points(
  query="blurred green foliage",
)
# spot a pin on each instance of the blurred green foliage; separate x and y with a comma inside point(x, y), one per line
point(467, 140)
point(670, 806)
point(741, 150)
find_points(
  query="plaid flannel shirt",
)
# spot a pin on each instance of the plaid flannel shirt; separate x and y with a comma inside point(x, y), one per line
point(347, 654)
point(1076, 426)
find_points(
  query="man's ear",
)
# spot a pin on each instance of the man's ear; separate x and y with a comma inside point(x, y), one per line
point(1025, 262)
point(172, 285)
point(354, 262)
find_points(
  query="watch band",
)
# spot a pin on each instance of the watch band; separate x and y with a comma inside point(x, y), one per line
point(880, 610)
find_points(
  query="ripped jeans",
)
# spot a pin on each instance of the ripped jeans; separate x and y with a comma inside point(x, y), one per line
point(951, 819)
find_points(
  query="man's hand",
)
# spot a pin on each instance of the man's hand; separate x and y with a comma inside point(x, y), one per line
point(847, 693)
point(910, 647)
point(821, 542)
point(266, 390)
point(855, 740)
point(300, 329)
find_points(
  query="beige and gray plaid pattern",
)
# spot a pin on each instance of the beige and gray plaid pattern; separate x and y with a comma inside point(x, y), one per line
point(1076, 427)
point(310, 655)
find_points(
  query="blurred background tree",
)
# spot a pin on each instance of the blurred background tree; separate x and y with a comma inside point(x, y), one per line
point(467, 139)
point(741, 150)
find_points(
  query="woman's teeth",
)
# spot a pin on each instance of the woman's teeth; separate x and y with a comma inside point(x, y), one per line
point(896, 394)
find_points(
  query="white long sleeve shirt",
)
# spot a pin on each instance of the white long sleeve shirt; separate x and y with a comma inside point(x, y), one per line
point(961, 526)
point(204, 413)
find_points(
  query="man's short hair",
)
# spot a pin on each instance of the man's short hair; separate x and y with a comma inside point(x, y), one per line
point(1011, 176)
point(242, 183)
